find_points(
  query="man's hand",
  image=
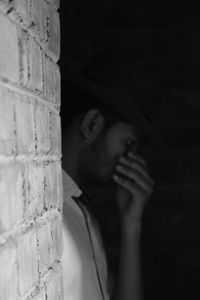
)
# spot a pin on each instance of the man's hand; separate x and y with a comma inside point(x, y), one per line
point(135, 188)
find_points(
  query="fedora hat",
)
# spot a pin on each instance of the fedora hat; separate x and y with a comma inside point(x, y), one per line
point(124, 86)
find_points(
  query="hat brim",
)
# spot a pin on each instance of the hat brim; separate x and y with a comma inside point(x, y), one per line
point(120, 102)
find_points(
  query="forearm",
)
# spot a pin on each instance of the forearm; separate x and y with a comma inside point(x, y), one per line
point(135, 188)
point(128, 285)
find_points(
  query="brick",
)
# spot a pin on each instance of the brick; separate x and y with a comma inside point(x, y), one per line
point(55, 3)
point(57, 87)
point(45, 247)
point(29, 45)
point(55, 134)
point(41, 296)
point(30, 62)
point(51, 185)
point(7, 126)
point(53, 43)
point(27, 259)
point(25, 126)
point(24, 57)
point(42, 129)
point(40, 15)
point(11, 195)
point(57, 238)
point(60, 185)
point(52, 80)
point(35, 189)
point(49, 78)
point(9, 50)
point(20, 12)
point(36, 81)
point(48, 73)
point(5, 5)
point(22, 7)
point(54, 285)
point(8, 274)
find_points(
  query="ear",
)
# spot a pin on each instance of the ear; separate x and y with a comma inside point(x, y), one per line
point(92, 124)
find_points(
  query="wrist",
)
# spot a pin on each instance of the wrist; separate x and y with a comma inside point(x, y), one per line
point(131, 228)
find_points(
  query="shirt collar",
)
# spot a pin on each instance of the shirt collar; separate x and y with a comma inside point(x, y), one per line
point(72, 190)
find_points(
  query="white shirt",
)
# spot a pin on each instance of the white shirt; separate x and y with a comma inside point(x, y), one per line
point(80, 278)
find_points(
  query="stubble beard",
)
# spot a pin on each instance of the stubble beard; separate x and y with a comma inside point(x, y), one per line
point(93, 165)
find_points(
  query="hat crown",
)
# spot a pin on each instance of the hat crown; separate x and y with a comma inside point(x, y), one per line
point(124, 84)
point(121, 70)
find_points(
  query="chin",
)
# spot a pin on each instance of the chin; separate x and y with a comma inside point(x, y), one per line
point(107, 176)
point(101, 179)
point(99, 176)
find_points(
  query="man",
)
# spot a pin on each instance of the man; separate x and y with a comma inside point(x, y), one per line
point(100, 146)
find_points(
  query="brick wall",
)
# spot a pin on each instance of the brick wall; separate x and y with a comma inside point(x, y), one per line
point(30, 152)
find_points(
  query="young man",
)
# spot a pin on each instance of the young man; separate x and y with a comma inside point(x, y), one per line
point(100, 147)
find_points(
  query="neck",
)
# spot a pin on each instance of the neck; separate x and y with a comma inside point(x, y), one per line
point(69, 165)
point(70, 152)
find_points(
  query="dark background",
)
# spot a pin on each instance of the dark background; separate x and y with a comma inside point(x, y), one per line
point(170, 32)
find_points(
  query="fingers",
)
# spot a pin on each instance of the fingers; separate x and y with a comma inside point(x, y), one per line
point(127, 184)
point(144, 182)
point(135, 169)
point(139, 159)
point(137, 166)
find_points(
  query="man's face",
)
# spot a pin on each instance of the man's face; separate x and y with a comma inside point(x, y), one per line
point(98, 160)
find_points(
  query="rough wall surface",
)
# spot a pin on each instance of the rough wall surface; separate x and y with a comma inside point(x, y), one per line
point(30, 151)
